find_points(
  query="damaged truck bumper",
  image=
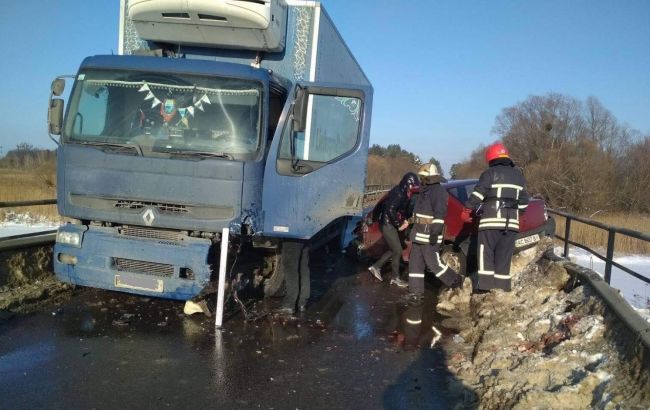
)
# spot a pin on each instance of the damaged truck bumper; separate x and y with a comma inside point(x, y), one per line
point(174, 266)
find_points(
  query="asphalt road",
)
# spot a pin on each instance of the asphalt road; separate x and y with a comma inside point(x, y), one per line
point(350, 349)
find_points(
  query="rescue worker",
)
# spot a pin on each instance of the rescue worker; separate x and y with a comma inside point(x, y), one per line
point(427, 232)
point(392, 221)
point(501, 196)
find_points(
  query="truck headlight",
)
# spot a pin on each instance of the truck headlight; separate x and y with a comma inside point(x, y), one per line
point(69, 238)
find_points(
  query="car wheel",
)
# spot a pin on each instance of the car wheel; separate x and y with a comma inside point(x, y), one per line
point(455, 259)
point(549, 230)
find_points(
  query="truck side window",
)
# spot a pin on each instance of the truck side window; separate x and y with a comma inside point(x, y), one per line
point(332, 130)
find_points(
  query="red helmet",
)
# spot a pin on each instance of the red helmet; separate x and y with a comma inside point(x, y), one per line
point(495, 151)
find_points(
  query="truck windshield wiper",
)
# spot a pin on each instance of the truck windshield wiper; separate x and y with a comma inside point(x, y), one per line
point(201, 154)
point(112, 146)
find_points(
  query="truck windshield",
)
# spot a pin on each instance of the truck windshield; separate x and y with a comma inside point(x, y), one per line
point(164, 114)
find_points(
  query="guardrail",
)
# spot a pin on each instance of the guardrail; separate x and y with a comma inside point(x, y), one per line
point(378, 187)
point(611, 238)
point(8, 243)
point(28, 203)
point(373, 192)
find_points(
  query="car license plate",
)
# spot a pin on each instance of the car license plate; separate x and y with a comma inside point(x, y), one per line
point(526, 240)
point(139, 283)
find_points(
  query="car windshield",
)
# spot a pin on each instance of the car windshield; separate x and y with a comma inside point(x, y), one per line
point(165, 113)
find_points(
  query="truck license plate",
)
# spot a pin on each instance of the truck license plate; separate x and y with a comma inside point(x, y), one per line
point(526, 241)
point(139, 283)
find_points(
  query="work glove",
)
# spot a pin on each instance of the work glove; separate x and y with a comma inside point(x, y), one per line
point(466, 215)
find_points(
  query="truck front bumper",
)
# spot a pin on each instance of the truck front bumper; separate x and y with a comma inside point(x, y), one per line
point(106, 259)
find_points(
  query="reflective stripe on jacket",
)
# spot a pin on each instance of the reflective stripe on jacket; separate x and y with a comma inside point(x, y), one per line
point(431, 206)
point(501, 194)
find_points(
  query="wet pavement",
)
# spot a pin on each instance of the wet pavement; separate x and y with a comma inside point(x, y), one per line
point(351, 349)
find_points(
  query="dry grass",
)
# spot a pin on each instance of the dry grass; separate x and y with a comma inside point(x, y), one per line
point(385, 170)
point(29, 184)
point(596, 238)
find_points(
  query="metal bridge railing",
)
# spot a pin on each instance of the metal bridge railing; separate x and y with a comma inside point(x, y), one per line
point(611, 238)
point(372, 193)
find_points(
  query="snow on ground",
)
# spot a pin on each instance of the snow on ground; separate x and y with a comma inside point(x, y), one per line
point(18, 224)
point(635, 291)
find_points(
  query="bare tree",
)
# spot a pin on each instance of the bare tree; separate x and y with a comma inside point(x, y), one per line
point(571, 151)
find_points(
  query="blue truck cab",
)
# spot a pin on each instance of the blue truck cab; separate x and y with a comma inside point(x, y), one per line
point(256, 124)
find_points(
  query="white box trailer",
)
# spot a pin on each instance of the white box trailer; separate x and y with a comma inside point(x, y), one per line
point(296, 39)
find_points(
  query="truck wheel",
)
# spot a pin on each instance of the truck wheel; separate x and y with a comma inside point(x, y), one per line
point(455, 259)
point(274, 279)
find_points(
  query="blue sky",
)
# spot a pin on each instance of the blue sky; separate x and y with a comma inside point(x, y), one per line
point(442, 71)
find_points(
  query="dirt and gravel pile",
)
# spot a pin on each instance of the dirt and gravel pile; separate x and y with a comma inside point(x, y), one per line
point(24, 266)
point(547, 343)
point(27, 281)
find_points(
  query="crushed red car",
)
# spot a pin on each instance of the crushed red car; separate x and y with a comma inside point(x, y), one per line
point(459, 248)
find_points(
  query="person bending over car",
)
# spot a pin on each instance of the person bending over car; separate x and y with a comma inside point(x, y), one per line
point(501, 197)
point(393, 220)
point(427, 232)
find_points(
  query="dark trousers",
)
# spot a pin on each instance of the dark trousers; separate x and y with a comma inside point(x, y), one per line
point(295, 265)
point(425, 257)
point(394, 252)
point(494, 254)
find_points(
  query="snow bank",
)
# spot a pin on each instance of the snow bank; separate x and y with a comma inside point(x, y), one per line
point(635, 291)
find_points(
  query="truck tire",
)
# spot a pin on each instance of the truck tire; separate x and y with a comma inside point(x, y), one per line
point(274, 281)
point(454, 258)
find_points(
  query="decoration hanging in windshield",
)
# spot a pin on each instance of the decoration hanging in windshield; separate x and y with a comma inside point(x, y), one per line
point(170, 107)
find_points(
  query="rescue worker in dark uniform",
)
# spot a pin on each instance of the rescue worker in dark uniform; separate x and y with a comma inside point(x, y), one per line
point(428, 223)
point(392, 220)
point(501, 196)
point(427, 232)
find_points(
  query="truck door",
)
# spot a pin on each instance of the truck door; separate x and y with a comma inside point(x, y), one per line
point(316, 166)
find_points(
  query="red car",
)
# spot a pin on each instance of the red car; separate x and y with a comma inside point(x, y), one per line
point(459, 237)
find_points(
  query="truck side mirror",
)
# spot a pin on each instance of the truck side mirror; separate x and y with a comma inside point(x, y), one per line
point(300, 110)
point(55, 116)
point(58, 85)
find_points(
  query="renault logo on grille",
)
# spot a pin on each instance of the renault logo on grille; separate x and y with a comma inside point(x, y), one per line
point(148, 217)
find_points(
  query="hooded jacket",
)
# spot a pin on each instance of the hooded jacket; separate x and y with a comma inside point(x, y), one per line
point(395, 206)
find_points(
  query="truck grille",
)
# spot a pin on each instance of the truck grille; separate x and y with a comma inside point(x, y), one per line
point(150, 233)
point(163, 207)
point(149, 268)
